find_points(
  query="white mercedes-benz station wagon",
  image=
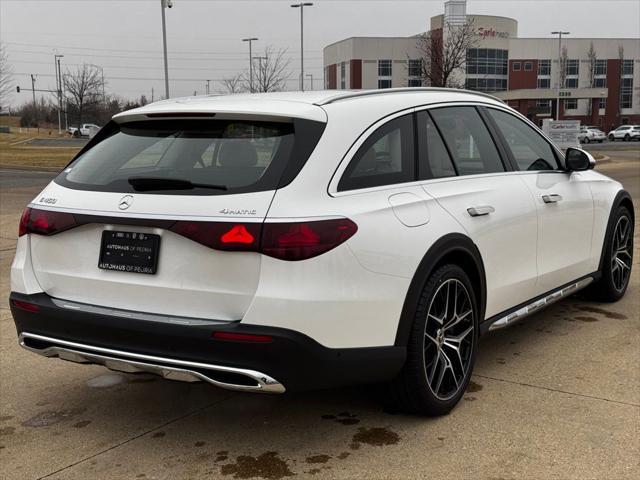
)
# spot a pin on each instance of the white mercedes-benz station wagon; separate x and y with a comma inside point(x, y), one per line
point(277, 242)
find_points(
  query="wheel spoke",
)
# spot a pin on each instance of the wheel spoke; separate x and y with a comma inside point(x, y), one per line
point(452, 311)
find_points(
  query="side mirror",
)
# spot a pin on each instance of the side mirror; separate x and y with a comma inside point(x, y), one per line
point(577, 160)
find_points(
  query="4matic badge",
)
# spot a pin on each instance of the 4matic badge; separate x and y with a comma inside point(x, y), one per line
point(229, 211)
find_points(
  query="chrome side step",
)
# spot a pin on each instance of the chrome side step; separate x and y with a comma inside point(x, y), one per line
point(536, 305)
point(172, 369)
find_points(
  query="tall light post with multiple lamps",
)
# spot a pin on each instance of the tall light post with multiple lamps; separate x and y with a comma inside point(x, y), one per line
point(250, 40)
point(301, 6)
point(165, 4)
point(559, 33)
point(56, 64)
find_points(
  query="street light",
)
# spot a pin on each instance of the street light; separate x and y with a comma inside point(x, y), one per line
point(559, 33)
point(301, 6)
point(165, 4)
point(250, 40)
point(261, 75)
point(56, 64)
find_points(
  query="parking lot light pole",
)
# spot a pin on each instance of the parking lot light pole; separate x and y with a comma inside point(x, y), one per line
point(165, 4)
point(59, 89)
point(301, 6)
point(559, 33)
point(250, 40)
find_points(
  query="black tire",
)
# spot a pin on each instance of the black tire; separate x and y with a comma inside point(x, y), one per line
point(600, 141)
point(76, 134)
point(614, 279)
point(626, 137)
point(586, 140)
point(612, 138)
point(411, 391)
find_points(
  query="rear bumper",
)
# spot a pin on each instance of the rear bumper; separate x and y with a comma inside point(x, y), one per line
point(183, 348)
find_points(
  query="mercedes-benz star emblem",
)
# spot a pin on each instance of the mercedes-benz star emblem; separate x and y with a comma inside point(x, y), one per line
point(125, 202)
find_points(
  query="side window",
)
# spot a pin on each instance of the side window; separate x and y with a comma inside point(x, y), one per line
point(468, 139)
point(385, 158)
point(529, 149)
point(434, 161)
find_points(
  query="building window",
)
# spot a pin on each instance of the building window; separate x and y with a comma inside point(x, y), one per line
point(415, 67)
point(516, 66)
point(572, 67)
point(544, 68)
point(544, 82)
point(600, 82)
point(602, 104)
point(571, 104)
point(626, 84)
point(543, 104)
point(571, 82)
point(528, 66)
point(487, 69)
point(544, 73)
point(600, 68)
point(415, 73)
point(626, 92)
point(384, 68)
point(384, 73)
point(343, 75)
point(486, 84)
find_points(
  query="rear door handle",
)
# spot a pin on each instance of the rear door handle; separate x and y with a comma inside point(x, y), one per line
point(552, 198)
point(480, 211)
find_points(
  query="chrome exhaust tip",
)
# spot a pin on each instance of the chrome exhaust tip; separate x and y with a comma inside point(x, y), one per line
point(230, 378)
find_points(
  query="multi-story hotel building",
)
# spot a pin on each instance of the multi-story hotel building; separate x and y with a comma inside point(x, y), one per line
point(600, 84)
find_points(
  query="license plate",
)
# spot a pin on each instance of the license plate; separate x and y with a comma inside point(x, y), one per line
point(129, 252)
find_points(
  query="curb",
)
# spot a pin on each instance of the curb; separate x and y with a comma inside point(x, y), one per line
point(31, 168)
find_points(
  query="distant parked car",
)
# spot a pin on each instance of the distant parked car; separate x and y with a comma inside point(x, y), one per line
point(84, 130)
point(591, 134)
point(625, 133)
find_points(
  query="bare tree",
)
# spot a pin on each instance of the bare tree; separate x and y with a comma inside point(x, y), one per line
point(5, 78)
point(442, 55)
point(270, 72)
point(83, 88)
point(233, 84)
point(592, 56)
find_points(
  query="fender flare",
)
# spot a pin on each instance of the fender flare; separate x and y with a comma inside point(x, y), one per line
point(621, 196)
point(453, 243)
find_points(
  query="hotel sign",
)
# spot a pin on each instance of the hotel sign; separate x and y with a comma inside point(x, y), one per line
point(491, 33)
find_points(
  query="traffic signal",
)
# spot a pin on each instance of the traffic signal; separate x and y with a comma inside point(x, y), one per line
point(18, 89)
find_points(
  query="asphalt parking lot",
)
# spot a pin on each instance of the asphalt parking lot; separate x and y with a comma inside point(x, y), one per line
point(556, 396)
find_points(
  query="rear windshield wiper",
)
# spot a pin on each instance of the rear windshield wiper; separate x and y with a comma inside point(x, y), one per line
point(144, 184)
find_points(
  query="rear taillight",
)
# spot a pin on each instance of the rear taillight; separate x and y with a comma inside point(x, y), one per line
point(221, 236)
point(282, 240)
point(285, 241)
point(302, 240)
point(45, 222)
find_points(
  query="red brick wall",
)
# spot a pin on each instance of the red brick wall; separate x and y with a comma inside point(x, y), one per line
point(355, 80)
point(521, 79)
point(332, 76)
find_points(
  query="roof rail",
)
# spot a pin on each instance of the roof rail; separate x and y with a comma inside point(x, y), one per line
point(349, 94)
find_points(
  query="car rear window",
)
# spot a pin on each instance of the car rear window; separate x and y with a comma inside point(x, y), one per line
point(239, 156)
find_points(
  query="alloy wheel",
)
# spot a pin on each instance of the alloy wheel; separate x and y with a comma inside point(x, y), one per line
point(448, 338)
point(622, 253)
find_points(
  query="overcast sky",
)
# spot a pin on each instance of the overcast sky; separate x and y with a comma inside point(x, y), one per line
point(204, 36)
